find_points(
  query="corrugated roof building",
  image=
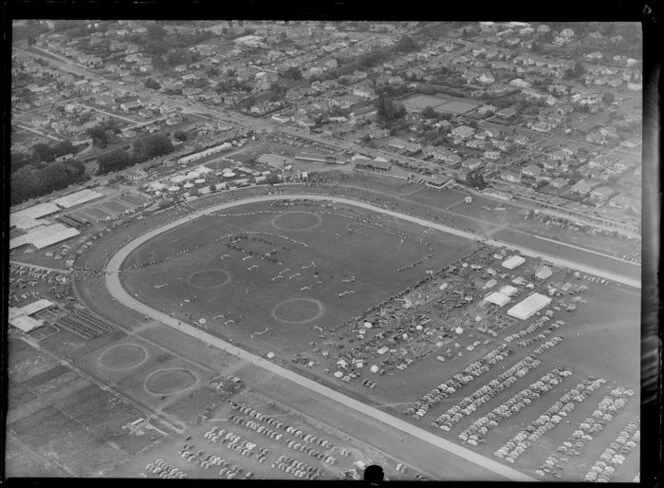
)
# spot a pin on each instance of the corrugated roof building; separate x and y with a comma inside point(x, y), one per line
point(529, 307)
point(513, 262)
point(497, 299)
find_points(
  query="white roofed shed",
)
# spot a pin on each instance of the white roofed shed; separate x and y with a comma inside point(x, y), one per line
point(513, 262)
point(529, 307)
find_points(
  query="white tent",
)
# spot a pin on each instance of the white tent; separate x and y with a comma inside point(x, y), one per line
point(529, 307)
point(514, 262)
point(497, 299)
point(508, 291)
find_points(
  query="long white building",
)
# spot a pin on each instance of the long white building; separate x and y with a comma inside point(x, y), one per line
point(529, 307)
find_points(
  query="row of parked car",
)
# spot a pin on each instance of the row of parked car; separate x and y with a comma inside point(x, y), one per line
point(271, 421)
point(616, 454)
point(298, 468)
point(547, 421)
point(478, 429)
point(449, 387)
point(256, 427)
point(485, 393)
point(587, 429)
point(237, 444)
point(539, 323)
point(165, 470)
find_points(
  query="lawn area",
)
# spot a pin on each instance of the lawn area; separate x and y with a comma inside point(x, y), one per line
point(196, 285)
point(61, 423)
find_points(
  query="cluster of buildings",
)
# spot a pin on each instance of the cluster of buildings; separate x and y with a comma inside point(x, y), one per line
point(31, 227)
point(497, 97)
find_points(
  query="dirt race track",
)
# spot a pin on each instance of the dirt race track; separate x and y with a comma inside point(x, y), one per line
point(116, 289)
point(460, 464)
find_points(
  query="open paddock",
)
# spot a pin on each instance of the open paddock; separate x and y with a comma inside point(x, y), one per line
point(229, 288)
point(62, 419)
point(457, 107)
point(115, 207)
point(595, 321)
point(420, 102)
point(132, 199)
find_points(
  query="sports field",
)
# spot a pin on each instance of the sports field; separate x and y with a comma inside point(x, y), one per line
point(254, 276)
point(325, 266)
point(420, 102)
point(457, 107)
point(61, 424)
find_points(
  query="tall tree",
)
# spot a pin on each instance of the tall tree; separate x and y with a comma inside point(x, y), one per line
point(387, 110)
point(152, 84)
point(63, 147)
point(293, 73)
point(20, 160)
point(156, 31)
point(76, 166)
point(407, 44)
point(98, 134)
point(429, 113)
point(608, 98)
point(152, 146)
point(44, 152)
point(114, 161)
point(180, 135)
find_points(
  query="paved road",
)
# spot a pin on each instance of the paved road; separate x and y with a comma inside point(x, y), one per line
point(115, 288)
point(40, 268)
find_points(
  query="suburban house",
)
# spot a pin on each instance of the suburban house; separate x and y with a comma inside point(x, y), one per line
point(471, 163)
point(484, 109)
point(531, 170)
point(506, 113)
point(602, 193)
point(511, 176)
point(463, 131)
point(550, 164)
point(558, 182)
point(518, 82)
point(581, 187)
point(135, 105)
point(364, 92)
point(476, 144)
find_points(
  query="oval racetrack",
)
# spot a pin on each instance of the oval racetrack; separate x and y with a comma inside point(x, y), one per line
point(116, 290)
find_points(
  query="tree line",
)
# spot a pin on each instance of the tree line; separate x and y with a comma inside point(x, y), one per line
point(36, 173)
point(35, 177)
point(144, 149)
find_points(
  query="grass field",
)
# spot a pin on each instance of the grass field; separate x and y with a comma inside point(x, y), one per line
point(114, 206)
point(216, 280)
point(97, 213)
point(419, 102)
point(457, 107)
point(196, 285)
point(132, 199)
point(600, 338)
point(61, 424)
